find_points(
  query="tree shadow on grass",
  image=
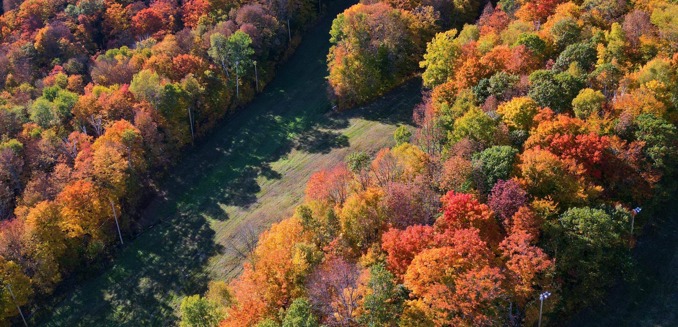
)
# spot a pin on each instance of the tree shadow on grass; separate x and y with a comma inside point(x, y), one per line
point(268, 172)
point(320, 141)
point(135, 290)
point(394, 108)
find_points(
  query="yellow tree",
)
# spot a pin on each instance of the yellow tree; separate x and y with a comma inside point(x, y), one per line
point(274, 279)
point(11, 277)
point(85, 209)
point(519, 112)
point(363, 218)
point(45, 243)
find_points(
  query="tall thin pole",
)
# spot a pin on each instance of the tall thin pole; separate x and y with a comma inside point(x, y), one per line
point(541, 306)
point(17, 305)
point(634, 212)
point(542, 297)
point(289, 31)
point(115, 216)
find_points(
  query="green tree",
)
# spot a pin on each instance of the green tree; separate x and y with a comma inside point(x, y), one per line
point(509, 6)
point(660, 138)
point(565, 32)
point(592, 251)
point(493, 164)
point(583, 53)
point(42, 113)
point(476, 125)
point(63, 104)
point(358, 161)
point(299, 314)
point(402, 135)
point(441, 54)
point(588, 102)
point(501, 82)
point(533, 42)
point(554, 90)
point(359, 164)
point(616, 44)
point(147, 85)
point(193, 91)
point(239, 52)
point(218, 51)
point(197, 311)
point(268, 323)
point(383, 302)
point(496, 85)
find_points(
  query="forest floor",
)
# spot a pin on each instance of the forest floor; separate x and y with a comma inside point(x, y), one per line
point(249, 173)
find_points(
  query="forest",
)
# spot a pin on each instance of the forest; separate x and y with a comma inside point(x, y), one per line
point(97, 99)
point(543, 129)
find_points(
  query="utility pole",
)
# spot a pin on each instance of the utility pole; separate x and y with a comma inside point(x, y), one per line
point(289, 31)
point(634, 212)
point(115, 216)
point(542, 297)
point(9, 288)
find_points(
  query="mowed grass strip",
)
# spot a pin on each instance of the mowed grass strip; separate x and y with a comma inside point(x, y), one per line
point(250, 172)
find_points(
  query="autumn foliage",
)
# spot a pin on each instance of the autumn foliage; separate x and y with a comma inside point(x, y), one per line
point(546, 121)
point(97, 99)
point(542, 123)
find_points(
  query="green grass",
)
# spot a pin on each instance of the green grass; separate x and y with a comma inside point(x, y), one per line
point(250, 171)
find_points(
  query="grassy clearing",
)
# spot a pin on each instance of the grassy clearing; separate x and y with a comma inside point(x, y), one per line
point(249, 171)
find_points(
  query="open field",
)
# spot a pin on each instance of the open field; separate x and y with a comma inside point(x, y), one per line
point(250, 171)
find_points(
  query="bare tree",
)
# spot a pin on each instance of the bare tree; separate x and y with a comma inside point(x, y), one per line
point(242, 243)
point(333, 289)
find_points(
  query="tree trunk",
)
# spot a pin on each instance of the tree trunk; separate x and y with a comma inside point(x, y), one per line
point(237, 81)
point(223, 66)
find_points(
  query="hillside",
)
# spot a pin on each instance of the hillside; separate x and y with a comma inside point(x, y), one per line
point(250, 170)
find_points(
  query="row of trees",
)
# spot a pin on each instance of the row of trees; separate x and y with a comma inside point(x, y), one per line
point(96, 99)
point(377, 46)
point(546, 122)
